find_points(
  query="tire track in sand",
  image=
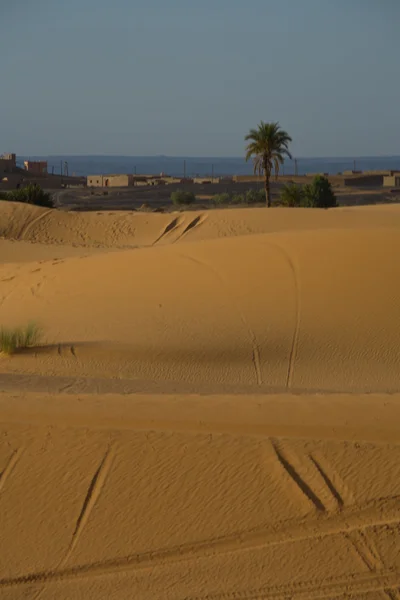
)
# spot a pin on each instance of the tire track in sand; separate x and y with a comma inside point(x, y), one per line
point(177, 224)
point(93, 494)
point(10, 466)
point(28, 226)
point(321, 526)
point(172, 226)
point(343, 587)
point(338, 587)
point(296, 333)
point(196, 222)
point(326, 490)
point(256, 360)
point(94, 490)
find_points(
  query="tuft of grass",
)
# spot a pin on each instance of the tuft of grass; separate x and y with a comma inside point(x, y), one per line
point(12, 340)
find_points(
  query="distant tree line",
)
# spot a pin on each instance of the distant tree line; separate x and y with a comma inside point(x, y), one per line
point(183, 197)
point(317, 194)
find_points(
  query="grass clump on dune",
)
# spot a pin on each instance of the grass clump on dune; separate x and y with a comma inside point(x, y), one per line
point(12, 340)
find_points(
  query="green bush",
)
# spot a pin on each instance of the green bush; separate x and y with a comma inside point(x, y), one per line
point(309, 199)
point(181, 197)
point(221, 198)
point(12, 340)
point(292, 195)
point(31, 194)
point(238, 199)
point(319, 194)
point(255, 197)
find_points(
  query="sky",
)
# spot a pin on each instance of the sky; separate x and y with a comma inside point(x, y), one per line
point(190, 77)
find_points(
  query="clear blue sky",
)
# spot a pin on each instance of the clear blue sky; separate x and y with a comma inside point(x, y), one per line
point(184, 77)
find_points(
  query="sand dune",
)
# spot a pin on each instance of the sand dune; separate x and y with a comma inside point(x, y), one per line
point(134, 229)
point(314, 310)
point(214, 411)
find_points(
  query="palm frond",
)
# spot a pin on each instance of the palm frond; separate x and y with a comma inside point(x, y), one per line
point(258, 165)
point(252, 135)
point(277, 163)
point(269, 141)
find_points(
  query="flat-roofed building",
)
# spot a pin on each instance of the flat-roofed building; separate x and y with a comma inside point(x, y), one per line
point(392, 179)
point(8, 163)
point(39, 167)
point(110, 180)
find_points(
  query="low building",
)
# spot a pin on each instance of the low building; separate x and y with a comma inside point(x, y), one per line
point(247, 178)
point(39, 167)
point(146, 180)
point(206, 180)
point(392, 180)
point(110, 180)
point(140, 181)
point(8, 163)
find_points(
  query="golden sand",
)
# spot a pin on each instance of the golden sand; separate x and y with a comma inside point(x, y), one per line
point(214, 411)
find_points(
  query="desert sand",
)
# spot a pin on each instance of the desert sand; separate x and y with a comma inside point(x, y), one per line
point(214, 410)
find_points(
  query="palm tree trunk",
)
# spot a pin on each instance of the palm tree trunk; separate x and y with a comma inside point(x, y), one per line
point(267, 190)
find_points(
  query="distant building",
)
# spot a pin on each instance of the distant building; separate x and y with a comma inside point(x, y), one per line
point(8, 163)
point(110, 180)
point(392, 179)
point(39, 167)
point(105, 181)
point(247, 178)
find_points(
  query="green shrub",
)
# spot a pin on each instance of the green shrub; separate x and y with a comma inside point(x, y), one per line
point(255, 196)
point(292, 195)
point(309, 198)
point(31, 194)
point(319, 193)
point(181, 197)
point(238, 199)
point(221, 198)
point(16, 196)
point(12, 340)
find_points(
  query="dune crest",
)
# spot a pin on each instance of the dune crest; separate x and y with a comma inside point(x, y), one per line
point(124, 229)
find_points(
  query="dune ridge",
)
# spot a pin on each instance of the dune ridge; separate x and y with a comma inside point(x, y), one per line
point(126, 229)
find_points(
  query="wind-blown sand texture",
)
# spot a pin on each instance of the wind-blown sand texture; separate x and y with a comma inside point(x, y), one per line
point(214, 412)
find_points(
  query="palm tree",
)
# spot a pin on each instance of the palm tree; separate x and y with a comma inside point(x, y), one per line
point(269, 144)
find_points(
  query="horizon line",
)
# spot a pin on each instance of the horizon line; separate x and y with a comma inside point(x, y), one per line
point(183, 157)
